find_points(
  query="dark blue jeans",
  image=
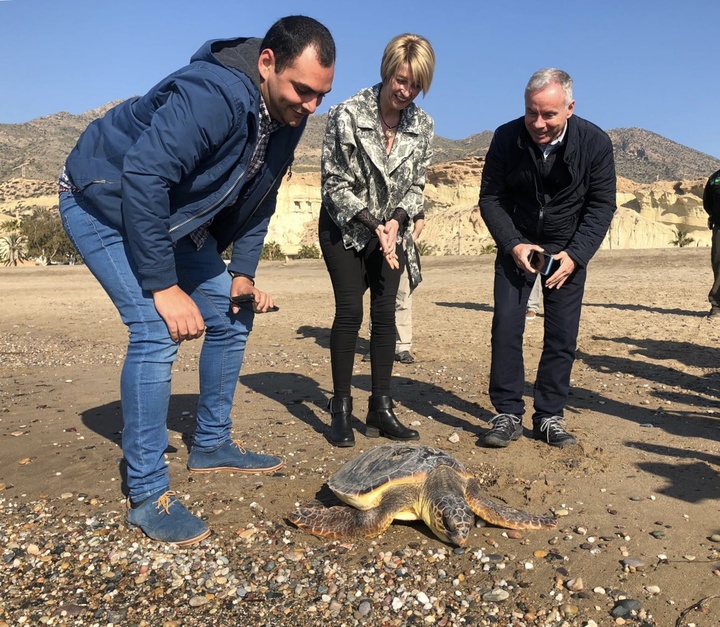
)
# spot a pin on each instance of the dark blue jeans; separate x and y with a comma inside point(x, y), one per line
point(147, 370)
point(562, 321)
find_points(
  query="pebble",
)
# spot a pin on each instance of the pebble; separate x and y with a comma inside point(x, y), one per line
point(657, 533)
point(633, 564)
point(575, 584)
point(653, 589)
point(625, 608)
point(568, 610)
point(496, 595)
point(364, 608)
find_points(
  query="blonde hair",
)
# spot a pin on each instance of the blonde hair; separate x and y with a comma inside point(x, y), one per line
point(414, 50)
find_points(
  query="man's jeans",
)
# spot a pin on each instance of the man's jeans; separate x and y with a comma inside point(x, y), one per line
point(146, 373)
point(562, 306)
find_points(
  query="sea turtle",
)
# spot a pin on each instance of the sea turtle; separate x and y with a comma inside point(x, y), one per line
point(407, 482)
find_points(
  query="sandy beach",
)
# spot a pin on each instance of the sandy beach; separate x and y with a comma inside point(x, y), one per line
point(638, 499)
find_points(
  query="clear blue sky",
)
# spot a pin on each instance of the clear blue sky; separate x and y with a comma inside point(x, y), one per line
point(650, 64)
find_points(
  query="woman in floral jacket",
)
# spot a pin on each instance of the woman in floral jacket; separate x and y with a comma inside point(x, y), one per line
point(375, 154)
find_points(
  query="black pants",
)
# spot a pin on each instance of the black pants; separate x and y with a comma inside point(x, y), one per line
point(714, 295)
point(352, 272)
point(562, 320)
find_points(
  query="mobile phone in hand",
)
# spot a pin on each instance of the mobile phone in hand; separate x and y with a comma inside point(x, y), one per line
point(548, 266)
point(246, 301)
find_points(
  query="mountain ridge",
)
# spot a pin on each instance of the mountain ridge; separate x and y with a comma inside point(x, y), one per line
point(37, 149)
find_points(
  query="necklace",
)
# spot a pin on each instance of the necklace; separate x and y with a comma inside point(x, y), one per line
point(390, 131)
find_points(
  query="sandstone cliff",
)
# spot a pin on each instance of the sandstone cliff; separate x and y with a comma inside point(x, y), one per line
point(647, 217)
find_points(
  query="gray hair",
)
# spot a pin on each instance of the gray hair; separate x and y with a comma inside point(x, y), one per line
point(543, 78)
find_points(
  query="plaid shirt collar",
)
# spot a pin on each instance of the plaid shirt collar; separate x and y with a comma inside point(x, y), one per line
point(267, 124)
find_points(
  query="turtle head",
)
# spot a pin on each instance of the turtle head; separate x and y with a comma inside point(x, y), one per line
point(451, 519)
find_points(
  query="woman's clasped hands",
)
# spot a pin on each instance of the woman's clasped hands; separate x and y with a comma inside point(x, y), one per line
point(387, 235)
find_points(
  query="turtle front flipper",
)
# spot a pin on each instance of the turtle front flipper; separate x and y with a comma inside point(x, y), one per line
point(340, 522)
point(502, 515)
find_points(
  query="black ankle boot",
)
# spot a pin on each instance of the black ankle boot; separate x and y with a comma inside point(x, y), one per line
point(381, 420)
point(341, 432)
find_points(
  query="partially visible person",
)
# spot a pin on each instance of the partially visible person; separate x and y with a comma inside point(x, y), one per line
point(376, 151)
point(403, 306)
point(548, 189)
point(533, 305)
point(151, 195)
point(403, 303)
point(711, 203)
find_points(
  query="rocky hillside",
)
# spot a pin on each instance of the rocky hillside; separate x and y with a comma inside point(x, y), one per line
point(37, 149)
point(659, 186)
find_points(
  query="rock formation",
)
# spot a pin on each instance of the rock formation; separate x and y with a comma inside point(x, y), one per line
point(648, 215)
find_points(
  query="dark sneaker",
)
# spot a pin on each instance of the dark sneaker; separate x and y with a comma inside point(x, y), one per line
point(404, 357)
point(366, 357)
point(231, 456)
point(549, 429)
point(162, 517)
point(714, 313)
point(506, 428)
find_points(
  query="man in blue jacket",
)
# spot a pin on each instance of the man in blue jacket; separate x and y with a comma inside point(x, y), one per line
point(151, 195)
point(548, 191)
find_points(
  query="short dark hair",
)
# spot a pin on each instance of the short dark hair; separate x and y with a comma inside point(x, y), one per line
point(291, 35)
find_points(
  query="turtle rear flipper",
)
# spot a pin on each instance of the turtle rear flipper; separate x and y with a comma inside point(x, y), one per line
point(340, 522)
point(502, 515)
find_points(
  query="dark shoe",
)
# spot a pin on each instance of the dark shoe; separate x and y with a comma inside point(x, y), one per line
point(404, 357)
point(381, 420)
point(162, 517)
point(231, 455)
point(506, 428)
point(549, 429)
point(714, 313)
point(366, 357)
point(341, 432)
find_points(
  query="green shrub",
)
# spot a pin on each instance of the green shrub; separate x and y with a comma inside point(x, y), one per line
point(682, 239)
point(272, 252)
point(309, 252)
point(425, 249)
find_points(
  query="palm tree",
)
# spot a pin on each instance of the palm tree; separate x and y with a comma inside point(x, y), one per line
point(13, 249)
point(682, 239)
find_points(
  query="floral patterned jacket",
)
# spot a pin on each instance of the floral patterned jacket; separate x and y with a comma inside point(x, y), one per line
point(357, 173)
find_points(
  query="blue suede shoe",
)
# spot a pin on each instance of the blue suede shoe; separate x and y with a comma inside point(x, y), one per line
point(231, 455)
point(162, 517)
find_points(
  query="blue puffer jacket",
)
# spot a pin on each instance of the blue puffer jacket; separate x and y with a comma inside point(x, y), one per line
point(161, 165)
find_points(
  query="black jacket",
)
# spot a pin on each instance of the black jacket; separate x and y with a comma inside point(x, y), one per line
point(711, 200)
point(575, 219)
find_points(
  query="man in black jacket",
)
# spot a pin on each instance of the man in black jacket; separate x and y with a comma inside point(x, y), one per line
point(547, 196)
point(711, 202)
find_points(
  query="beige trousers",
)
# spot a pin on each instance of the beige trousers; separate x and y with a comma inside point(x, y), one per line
point(403, 315)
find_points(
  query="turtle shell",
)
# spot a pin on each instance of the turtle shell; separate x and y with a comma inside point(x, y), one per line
point(358, 481)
